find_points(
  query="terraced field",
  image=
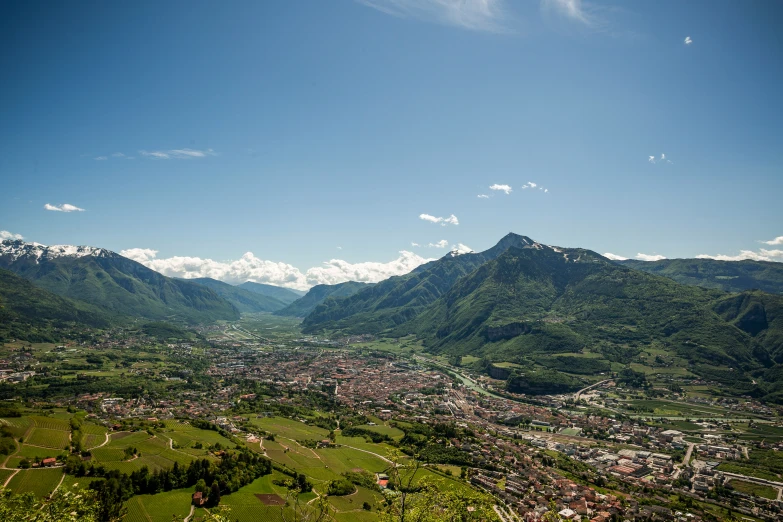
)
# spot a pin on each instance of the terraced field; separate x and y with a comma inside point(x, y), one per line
point(49, 438)
point(41, 482)
point(94, 435)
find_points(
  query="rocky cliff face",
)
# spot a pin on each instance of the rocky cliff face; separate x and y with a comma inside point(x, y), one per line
point(507, 331)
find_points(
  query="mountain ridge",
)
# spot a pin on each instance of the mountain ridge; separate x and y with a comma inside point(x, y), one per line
point(106, 279)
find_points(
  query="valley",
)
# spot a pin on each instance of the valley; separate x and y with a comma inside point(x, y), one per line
point(526, 380)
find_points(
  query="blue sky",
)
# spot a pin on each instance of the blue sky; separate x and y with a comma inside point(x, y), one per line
point(307, 132)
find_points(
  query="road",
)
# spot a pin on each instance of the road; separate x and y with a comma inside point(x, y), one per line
point(580, 392)
point(687, 458)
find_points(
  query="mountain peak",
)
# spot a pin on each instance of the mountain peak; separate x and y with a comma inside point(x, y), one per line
point(17, 249)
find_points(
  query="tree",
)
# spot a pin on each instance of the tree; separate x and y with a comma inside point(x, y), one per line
point(214, 495)
point(109, 499)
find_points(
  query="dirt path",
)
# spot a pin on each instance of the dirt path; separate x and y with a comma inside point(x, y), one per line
point(58, 485)
point(370, 452)
point(190, 515)
point(9, 478)
point(105, 442)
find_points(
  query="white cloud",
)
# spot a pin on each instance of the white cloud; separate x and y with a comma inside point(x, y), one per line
point(461, 249)
point(451, 220)
point(761, 255)
point(339, 248)
point(777, 241)
point(531, 185)
point(101, 158)
point(614, 257)
point(688, 40)
point(573, 9)
point(475, 15)
point(505, 188)
point(415, 244)
point(65, 207)
point(250, 268)
point(482, 196)
point(4, 234)
point(651, 159)
point(440, 244)
point(649, 257)
point(177, 153)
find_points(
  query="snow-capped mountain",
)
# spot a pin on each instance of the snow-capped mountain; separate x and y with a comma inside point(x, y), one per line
point(16, 249)
point(113, 282)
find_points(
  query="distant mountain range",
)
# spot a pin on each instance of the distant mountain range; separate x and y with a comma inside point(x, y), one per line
point(731, 276)
point(245, 300)
point(284, 295)
point(317, 295)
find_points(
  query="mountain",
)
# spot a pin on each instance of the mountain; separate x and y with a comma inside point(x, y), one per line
point(558, 313)
point(285, 295)
point(243, 300)
point(731, 276)
point(113, 283)
point(30, 313)
point(544, 308)
point(317, 295)
point(401, 298)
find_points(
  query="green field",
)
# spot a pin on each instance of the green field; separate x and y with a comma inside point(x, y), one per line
point(290, 429)
point(162, 507)
point(389, 431)
point(48, 438)
point(751, 488)
point(41, 482)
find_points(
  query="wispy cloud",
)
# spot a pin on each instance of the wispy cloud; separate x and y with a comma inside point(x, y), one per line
point(662, 159)
point(576, 10)
point(482, 196)
point(440, 244)
point(504, 188)
point(451, 220)
point(177, 153)
point(688, 40)
point(614, 257)
point(474, 15)
point(777, 241)
point(65, 207)
point(649, 257)
point(413, 244)
point(251, 268)
point(4, 234)
point(530, 185)
point(100, 158)
point(121, 156)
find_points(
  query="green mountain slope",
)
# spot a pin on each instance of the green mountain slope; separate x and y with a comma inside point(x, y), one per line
point(284, 295)
point(113, 283)
point(399, 299)
point(243, 300)
point(731, 276)
point(31, 313)
point(530, 306)
point(317, 295)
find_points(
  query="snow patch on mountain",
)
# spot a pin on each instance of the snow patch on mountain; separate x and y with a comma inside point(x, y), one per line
point(19, 249)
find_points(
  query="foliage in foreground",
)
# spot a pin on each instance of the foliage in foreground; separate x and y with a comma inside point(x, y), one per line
point(62, 506)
